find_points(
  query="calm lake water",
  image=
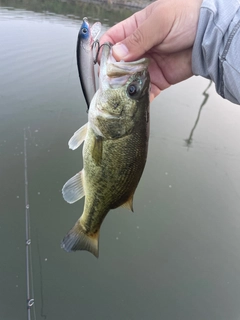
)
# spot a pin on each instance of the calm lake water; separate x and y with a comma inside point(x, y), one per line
point(177, 257)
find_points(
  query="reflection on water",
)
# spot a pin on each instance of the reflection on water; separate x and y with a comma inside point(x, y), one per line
point(177, 256)
point(206, 96)
point(67, 10)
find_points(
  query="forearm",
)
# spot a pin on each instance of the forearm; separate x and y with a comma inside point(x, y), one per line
point(216, 50)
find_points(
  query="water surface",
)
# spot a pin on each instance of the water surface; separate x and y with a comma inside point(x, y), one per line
point(177, 256)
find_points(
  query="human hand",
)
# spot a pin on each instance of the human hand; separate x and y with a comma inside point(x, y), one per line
point(163, 31)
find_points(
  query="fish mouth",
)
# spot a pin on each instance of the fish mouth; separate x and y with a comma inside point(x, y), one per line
point(116, 73)
point(122, 68)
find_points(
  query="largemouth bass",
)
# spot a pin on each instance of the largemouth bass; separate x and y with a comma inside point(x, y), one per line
point(85, 60)
point(115, 148)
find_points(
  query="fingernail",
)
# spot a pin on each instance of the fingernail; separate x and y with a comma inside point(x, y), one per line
point(120, 50)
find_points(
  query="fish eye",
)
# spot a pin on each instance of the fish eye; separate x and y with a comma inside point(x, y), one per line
point(84, 30)
point(132, 89)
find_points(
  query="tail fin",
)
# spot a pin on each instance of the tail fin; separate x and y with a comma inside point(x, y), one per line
point(77, 239)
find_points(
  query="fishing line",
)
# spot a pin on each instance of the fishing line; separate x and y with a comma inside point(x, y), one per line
point(29, 272)
point(206, 96)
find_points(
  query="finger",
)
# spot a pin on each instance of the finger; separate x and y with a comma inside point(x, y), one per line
point(157, 77)
point(120, 31)
point(166, 70)
point(155, 91)
point(123, 29)
point(177, 66)
point(145, 30)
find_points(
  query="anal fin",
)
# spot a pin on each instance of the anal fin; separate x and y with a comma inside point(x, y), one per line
point(128, 204)
point(77, 239)
point(73, 189)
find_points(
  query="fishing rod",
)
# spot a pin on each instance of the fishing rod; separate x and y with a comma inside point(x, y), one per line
point(30, 301)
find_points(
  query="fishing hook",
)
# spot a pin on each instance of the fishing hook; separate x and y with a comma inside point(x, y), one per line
point(99, 47)
point(96, 44)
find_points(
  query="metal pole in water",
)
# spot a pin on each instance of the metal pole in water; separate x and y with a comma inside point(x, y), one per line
point(30, 301)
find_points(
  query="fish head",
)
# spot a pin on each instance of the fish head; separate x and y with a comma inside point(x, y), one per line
point(85, 32)
point(87, 35)
point(122, 101)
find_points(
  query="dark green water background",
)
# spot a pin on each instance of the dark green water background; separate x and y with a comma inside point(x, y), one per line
point(177, 257)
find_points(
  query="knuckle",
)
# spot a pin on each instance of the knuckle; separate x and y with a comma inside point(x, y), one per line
point(137, 38)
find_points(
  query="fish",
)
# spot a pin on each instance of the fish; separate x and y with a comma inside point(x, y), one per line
point(85, 60)
point(114, 151)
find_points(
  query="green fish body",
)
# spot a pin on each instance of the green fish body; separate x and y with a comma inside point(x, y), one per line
point(115, 148)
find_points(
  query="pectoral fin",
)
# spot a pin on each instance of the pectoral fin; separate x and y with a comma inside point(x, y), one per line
point(73, 189)
point(97, 150)
point(78, 137)
point(128, 204)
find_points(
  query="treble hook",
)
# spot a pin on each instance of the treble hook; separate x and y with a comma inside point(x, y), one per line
point(99, 47)
point(96, 43)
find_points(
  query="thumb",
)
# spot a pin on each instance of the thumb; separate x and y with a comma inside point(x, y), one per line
point(149, 33)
